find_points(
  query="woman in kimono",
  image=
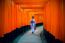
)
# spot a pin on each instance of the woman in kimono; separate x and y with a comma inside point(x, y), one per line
point(33, 24)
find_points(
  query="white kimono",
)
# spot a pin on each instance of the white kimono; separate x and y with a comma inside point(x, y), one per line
point(32, 25)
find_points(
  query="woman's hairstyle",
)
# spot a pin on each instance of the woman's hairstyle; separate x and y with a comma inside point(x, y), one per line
point(32, 16)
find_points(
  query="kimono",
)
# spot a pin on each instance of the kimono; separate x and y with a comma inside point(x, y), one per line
point(32, 25)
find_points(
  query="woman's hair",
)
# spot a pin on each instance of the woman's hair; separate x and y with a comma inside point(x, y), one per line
point(32, 16)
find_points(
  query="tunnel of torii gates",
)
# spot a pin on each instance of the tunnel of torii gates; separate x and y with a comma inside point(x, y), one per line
point(17, 13)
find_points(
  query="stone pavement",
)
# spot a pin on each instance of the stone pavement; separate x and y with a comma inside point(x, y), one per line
point(28, 37)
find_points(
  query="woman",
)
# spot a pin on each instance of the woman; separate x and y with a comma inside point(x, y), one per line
point(33, 24)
